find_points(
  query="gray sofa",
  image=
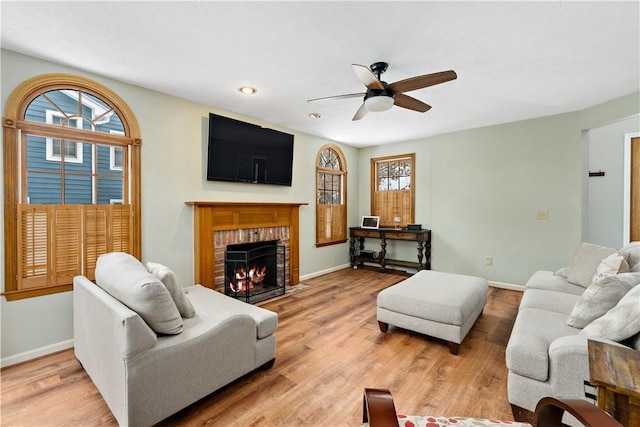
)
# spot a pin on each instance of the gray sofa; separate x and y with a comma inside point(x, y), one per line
point(145, 376)
point(547, 352)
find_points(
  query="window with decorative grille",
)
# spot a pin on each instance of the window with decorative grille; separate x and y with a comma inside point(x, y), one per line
point(392, 189)
point(331, 196)
point(72, 158)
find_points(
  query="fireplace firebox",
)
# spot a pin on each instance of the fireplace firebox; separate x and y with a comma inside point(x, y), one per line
point(255, 271)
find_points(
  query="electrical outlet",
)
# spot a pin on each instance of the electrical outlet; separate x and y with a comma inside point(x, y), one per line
point(542, 215)
point(488, 260)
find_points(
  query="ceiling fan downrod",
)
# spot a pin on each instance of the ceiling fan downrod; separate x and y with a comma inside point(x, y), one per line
point(378, 68)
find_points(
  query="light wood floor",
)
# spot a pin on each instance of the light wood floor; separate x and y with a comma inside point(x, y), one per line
point(329, 348)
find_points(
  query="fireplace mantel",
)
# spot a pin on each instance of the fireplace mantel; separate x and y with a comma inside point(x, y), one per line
point(209, 217)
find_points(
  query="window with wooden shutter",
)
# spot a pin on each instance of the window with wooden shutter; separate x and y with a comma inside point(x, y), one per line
point(392, 189)
point(331, 196)
point(71, 159)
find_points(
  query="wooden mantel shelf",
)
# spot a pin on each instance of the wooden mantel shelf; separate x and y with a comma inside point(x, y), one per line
point(209, 217)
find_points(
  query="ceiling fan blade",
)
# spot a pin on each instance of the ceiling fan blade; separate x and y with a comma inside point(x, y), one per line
point(362, 111)
point(410, 103)
point(423, 81)
point(349, 95)
point(367, 77)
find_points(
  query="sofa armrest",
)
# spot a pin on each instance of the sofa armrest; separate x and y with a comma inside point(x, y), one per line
point(569, 366)
point(107, 334)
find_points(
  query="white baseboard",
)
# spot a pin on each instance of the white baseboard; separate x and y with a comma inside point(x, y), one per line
point(323, 272)
point(509, 286)
point(34, 354)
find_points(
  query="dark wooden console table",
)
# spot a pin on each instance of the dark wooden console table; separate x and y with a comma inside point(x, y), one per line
point(359, 257)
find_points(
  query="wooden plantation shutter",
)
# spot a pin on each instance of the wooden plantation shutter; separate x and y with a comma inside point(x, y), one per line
point(59, 242)
point(65, 252)
point(33, 241)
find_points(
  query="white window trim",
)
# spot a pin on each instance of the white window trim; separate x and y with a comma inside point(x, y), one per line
point(50, 114)
point(112, 153)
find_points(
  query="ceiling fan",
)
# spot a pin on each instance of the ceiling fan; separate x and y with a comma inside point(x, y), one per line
point(381, 96)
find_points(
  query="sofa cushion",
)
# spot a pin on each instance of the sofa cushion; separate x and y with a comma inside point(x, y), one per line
point(206, 301)
point(632, 251)
point(125, 278)
point(534, 330)
point(170, 280)
point(585, 262)
point(558, 302)
point(600, 297)
point(619, 323)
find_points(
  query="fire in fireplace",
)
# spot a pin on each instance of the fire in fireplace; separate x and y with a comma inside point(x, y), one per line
point(256, 271)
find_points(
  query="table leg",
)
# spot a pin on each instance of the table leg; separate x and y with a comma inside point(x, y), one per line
point(383, 252)
point(352, 251)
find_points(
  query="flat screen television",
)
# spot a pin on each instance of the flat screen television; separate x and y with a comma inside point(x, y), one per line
point(244, 152)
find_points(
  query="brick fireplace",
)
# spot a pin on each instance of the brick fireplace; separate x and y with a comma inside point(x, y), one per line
point(217, 225)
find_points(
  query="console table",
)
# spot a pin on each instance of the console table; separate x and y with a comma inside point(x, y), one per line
point(422, 237)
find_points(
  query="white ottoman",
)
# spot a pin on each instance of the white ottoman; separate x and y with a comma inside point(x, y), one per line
point(441, 305)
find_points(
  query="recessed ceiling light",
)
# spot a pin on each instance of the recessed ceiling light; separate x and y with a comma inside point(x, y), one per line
point(315, 115)
point(248, 90)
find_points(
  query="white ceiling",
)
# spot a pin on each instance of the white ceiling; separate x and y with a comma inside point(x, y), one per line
point(514, 60)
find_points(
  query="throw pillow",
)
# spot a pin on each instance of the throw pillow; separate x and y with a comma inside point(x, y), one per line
point(585, 262)
point(632, 251)
point(611, 265)
point(600, 297)
point(170, 280)
point(621, 322)
point(125, 278)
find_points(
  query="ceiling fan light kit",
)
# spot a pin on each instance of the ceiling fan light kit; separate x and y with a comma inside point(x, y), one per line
point(379, 103)
point(381, 96)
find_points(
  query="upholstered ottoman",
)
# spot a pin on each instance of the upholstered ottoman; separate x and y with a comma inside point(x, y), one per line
point(441, 305)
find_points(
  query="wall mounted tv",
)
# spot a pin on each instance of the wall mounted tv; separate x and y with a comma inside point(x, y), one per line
point(244, 152)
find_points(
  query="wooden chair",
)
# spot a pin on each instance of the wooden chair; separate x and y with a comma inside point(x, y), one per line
point(379, 411)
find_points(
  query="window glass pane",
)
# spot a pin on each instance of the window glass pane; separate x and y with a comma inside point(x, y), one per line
point(44, 188)
point(107, 160)
point(336, 182)
point(37, 154)
point(77, 189)
point(405, 183)
point(77, 156)
point(383, 169)
point(393, 183)
point(110, 190)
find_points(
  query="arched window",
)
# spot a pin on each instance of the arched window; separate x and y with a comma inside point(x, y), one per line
point(331, 200)
point(72, 182)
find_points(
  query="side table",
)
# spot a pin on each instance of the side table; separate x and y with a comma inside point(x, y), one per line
point(615, 371)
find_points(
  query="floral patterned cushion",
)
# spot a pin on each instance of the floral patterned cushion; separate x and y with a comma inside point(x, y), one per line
point(418, 421)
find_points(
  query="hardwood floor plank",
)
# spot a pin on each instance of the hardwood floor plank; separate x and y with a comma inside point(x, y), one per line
point(329, 348)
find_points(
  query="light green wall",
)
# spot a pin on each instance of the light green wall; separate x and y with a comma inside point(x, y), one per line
point(478, 190)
